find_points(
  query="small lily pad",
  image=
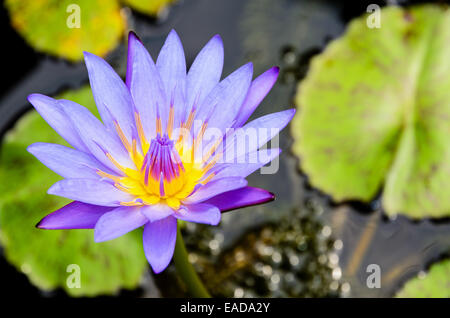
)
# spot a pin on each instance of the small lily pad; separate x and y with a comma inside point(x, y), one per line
point(51, 26)
point(150, 7)
point(436, 283)
point(44, 255)
point(374, 113)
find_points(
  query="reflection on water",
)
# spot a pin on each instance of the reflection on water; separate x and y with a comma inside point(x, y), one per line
point(301, 244)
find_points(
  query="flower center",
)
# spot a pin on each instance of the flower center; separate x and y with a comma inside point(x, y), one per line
point(162, 165)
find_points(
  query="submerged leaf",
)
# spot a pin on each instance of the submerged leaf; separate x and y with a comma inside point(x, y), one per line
point(374, 113)
point(51, 26)
point(44, 255)
point(436, 283)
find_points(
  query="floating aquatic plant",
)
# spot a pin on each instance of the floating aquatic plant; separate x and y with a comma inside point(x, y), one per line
point(67, 28)
point(170, 146)
point(374, 113)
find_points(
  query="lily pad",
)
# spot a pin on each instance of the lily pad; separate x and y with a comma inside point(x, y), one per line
point(374, 113)
point(436, 283)
point(150, 7)
point(50, 26)
point(44, 255)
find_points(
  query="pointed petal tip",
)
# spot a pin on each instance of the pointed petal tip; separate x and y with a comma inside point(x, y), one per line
point(217, 39)
point(88, 55)
point(98, 238)
point(33, 97)
point(53, 190)
point(173, 33)
point(30, 148)
point(133, 36)
point(39, 224)
point(275, 70)
point(37, 99)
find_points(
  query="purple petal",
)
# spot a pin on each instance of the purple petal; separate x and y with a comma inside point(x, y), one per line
point(199, 213)
point(111, 95)
point(221, 106)
point(118, 222)
point(214, 188)
point(240, 198)
point(171, 65)
point(259, 88)
point(205, 72)
point(247, 164)
point(156, 212)
point(67, 162)
point(55, 116)
point(146, 86)
point(159, 242)
point(90, 191)
point(263, 129)
point(75, 215)
point(96, 137)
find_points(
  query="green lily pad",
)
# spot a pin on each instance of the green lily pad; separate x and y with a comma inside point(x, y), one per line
point(436, 283)
point(374, 113)
point(48, 26)
point(150, 7)
point(44, 255)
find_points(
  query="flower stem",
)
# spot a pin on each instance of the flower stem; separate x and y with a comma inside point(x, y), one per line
point(186, 271)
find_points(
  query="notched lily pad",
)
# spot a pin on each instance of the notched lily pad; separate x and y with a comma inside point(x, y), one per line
point(436, 283)
point(44, 255)
point(374, 113)
point(50, 26)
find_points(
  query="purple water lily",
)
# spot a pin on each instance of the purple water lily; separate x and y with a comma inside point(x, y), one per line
point(148, 164)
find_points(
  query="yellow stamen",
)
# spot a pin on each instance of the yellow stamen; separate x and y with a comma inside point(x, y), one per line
point(140, 129)
point(122, 137)
point(118, 165)
point(107, 175)
point(171, 119)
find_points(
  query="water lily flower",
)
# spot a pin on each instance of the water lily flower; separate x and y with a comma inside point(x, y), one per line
point(138, 167)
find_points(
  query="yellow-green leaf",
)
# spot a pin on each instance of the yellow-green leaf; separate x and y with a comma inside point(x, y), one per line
point(50, 26)
point(374, 113)
point(150, 7)
point(436, 283)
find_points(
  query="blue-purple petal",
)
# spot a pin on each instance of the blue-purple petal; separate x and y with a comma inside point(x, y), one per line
point(159, 242)
point(96, 137)
point(146, 87)
point(54, 115)
point(214, 188)
point(222, 104)
point(204, 73)
point(247, 164)
point(240, 198)
point(118, 222)
point(67, 162)
point(156, 212)
point(199, 213)
point(264, 128)
point(75, 215)
point(171, 65)
point(259, 88)
point(90, 191)
point(111, 95)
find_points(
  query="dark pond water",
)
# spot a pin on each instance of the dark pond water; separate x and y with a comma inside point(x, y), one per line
point(300, 245)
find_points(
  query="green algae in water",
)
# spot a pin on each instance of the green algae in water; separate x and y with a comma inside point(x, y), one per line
point(44, 255)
